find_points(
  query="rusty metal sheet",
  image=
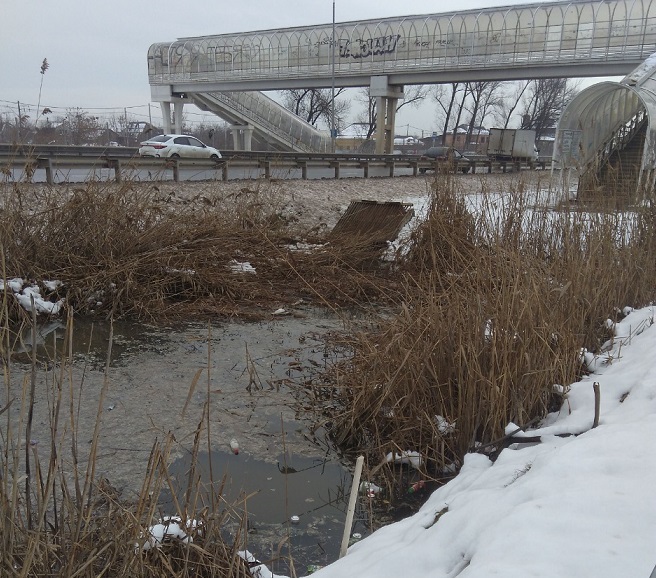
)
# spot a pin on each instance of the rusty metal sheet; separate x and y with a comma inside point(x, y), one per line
point(376, 221)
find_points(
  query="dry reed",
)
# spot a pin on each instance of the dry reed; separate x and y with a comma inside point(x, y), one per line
point(492, 307)
point(129, 250)
point(498, 300)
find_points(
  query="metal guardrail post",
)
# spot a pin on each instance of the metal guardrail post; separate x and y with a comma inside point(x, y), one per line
point(390, 165)
point(50, 176)
point(304, 170)
point(116, 165)
point(224, 171)
point(176, 170)
point(365, 166)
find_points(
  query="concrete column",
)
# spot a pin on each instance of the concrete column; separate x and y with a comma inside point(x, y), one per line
point(177, 114)
point(248, 137)
point(389, 125)
point(387, 97)
point(380, 124)
point(236, 137)
point(166, 116)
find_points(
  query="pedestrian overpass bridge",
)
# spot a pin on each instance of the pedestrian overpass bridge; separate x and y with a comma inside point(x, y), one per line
point(224, 73)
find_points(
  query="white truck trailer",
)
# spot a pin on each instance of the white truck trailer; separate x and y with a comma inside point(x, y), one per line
point(512, 144)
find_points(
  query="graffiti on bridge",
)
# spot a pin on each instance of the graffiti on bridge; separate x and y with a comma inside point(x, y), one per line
point(363, 48)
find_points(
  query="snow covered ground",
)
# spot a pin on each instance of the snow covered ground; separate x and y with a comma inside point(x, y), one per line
point(577, 506)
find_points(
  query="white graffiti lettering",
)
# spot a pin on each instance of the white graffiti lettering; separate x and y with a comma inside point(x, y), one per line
point(363, 48)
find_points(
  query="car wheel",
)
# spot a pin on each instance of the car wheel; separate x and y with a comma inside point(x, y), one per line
point(465, 170)
point(215, 157)
point(422, 171)
point(175, 156)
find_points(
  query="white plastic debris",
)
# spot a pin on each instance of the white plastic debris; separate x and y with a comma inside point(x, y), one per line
point(369, 488)
point(33, 293)
point(444, 426)
point(234, 446)
point(15, 284)
point(256, 568)
point(610, 325)
point(411, 458)
point(241, 267)
point(280, 311)
point(53, 285)
point(169, 528)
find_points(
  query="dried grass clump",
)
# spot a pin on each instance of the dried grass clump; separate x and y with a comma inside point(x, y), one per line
point(498, 301)
point(131, 250)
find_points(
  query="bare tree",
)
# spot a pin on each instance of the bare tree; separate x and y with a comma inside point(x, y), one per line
point(314, 105)
point(414, 95)
point(368, 117)
point(483, 96)
point(544, 101)
point(450, 101)
point(510, 101)
point(79, 127)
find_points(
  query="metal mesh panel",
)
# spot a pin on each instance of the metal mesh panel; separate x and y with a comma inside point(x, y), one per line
point(556, 32)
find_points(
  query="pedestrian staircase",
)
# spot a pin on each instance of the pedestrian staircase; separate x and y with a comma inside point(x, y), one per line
point(272, 123)
point(615, 170)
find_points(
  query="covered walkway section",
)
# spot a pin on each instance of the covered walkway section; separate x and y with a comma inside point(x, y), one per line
point(577, 38)
point(607, 133)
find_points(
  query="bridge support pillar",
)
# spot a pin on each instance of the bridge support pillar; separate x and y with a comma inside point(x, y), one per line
point(387, 97)
point(177, 116)
point(176, 125)
point(242, 137)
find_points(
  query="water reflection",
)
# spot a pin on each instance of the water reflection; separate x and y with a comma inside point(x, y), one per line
point(268, 493)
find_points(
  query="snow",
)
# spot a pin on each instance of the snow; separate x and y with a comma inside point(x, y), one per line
point(575, 506)
point(31, 294)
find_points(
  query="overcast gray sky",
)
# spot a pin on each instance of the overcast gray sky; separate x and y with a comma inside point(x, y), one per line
point(97, 50)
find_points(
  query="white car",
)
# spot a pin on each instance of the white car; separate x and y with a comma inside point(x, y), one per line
point(177, 146)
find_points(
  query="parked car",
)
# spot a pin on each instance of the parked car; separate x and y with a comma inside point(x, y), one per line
point(446, 155)
point(177, 146)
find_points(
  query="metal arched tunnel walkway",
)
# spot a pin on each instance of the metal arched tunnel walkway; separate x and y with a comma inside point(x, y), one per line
point(608, 134)
point(577, 38)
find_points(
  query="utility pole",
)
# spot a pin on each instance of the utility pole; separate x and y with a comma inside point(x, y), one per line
point(333, 135)
point(18, 124)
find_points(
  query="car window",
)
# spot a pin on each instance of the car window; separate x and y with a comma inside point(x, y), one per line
point(181, 140)
point(160, 138)
point(194, 142)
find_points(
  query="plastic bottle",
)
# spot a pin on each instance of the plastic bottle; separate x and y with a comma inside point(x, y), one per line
point(416, 487)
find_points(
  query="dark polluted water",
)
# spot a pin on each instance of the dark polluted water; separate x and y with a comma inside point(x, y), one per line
point(292, 511)
point(251, 377)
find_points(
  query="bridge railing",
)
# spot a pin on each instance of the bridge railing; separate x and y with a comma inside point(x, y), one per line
point(17, 163)
point(267, 114)
point(525, 35)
